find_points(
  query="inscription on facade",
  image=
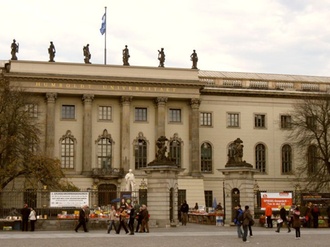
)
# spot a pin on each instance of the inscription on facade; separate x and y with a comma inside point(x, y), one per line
point(104, 87)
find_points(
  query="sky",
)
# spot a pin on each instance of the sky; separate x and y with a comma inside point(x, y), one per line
point(259, 36)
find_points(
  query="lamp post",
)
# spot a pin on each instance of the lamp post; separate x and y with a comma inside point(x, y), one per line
point(297, 194)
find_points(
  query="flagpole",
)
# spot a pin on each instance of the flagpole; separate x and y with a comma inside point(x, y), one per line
point(105, 36)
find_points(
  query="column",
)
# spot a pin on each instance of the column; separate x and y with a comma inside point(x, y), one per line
point(125, 131)
point(160, 120)
point(50, 124)
point(87, 134)
point(194, 138)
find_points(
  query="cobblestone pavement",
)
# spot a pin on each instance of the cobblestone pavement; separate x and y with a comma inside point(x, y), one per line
point(183, 236)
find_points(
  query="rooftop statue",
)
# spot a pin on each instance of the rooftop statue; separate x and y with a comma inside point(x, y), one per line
point(87, 54)
point(14, 50)
point(126, 56)
point(161, 57)
point(51, 52)
point(194, 59)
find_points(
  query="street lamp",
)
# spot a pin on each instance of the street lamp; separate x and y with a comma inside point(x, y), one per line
point(297, 194)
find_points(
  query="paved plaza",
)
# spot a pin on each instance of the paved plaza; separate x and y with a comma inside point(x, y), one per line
point(183, 236)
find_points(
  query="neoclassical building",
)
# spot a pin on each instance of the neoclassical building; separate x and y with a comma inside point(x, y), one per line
point(102, 120)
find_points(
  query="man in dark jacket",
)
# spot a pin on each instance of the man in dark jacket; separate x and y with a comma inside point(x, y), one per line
point(83, 218)
point(131, 219)
point(184, 212)
point(247, 218)
point(25, 217)
point(282, 220)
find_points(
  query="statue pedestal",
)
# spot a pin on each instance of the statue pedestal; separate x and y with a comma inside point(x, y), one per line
point(163, 193)
point(238, 189)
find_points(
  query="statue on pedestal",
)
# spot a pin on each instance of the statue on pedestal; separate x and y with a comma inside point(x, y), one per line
point(235, 155)
point(130, 181)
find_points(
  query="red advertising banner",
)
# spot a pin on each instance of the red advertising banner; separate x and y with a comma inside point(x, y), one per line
point(276, 200)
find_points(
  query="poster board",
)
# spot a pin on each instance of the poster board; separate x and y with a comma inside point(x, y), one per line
point(69, 199)
point(276, 199)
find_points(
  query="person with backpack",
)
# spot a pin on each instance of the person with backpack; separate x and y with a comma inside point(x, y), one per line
point(238, 220)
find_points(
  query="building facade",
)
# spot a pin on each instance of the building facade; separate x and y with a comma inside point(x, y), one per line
point(102, 120)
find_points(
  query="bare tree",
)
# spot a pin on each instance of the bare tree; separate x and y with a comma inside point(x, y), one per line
point(20, 155)
point(310, 133)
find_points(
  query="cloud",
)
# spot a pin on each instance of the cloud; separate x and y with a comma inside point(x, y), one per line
point(266, 36)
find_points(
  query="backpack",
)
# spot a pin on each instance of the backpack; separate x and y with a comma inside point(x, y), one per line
point(239, 219)
point(240, 216)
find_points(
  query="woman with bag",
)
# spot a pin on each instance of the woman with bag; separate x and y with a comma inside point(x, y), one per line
point(32, 218)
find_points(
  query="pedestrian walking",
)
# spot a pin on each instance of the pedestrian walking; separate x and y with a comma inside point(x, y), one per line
point(25, 211)
point(131, 212)
point(145, 219)
point(112, 219)
point(247, 218)
point(184, 212)
point(83, 219)
point(296, 224)
point(238, 220)
point(282, 220)
point(122, 220)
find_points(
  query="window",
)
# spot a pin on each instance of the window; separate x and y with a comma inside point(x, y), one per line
point(261, 158)
point(206, 157)
point(140, 151)
point(312, 159)
point(67, 150)
point(32, 110)
point(175, 149)
point(285, 122)
point(311, 122)
point(259, 120)
point(208, 194)
point(206, 119)
point(104, 150)
point(175, 115)
point(233, 120)
point(68, 112)
point(141, 114)
point(105, 113)
point(286, 159)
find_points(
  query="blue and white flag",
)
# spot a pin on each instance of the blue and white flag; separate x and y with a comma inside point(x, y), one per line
point(104, 24)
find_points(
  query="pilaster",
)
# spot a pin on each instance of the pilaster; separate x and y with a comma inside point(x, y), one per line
point(125, 132)
point(87, 134)
point(50, 125)
point(194, 138)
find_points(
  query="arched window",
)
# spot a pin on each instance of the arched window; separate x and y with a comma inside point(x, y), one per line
point(286, 159)
point(206, 157)
point(104, 150)
point(175, 149)
point(312, 158)
point(67, 143)
point(260, 152)
point(140, 151)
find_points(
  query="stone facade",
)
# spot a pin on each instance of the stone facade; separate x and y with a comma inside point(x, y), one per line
point(158, 91)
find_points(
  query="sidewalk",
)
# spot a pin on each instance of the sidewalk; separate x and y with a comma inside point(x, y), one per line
point(183, 236)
